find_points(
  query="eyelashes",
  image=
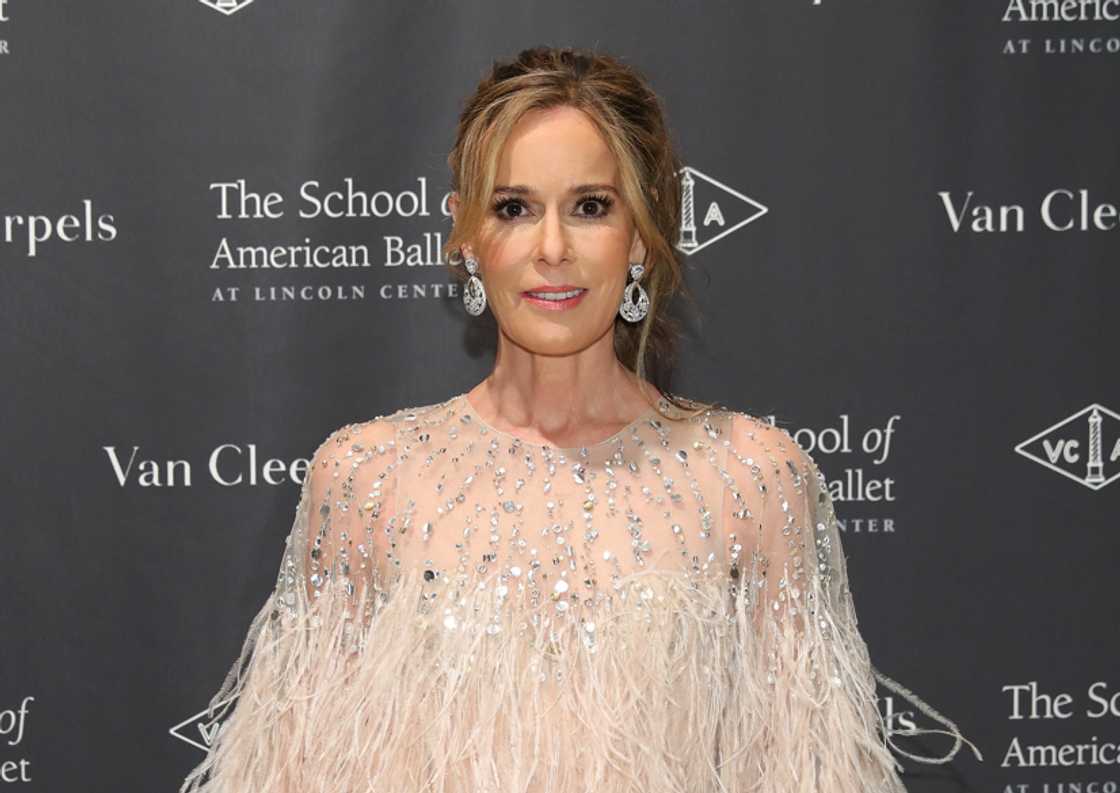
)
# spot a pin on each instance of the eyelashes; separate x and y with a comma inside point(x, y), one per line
point(605, 201)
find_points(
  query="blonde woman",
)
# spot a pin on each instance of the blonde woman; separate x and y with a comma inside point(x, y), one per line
point(565, 579)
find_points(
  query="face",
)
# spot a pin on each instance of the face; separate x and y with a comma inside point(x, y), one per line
point(556, 219)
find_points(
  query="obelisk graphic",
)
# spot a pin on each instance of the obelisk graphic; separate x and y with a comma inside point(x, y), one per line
point(1095, 472)
point(688, 219)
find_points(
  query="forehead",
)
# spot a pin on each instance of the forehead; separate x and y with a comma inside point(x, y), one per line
point(555, 145)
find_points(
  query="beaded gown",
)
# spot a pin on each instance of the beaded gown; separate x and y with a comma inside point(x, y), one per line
point(459, 610)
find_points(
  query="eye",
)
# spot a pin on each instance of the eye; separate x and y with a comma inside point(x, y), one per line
point(501, 204)
point(604, 201)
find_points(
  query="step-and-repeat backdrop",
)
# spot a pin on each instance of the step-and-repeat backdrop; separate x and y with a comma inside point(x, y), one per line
point(220, 230)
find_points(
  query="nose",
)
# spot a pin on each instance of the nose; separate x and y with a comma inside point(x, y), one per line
point(552, 245)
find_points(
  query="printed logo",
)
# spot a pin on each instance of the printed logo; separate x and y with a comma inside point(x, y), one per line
point(14, 726)
point(724, 210)
point(4, 18)
point(1056, 37)
point(200, 730)
point(227, 7)
point(1079, 446)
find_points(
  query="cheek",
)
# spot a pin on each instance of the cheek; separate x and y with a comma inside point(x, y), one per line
point(601, 315)
point(503, 288)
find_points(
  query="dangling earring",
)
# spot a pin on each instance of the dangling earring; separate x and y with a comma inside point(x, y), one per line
point(631, 310)
point(474, 296)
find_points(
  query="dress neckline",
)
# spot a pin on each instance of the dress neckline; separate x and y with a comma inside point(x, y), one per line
point(468, 409)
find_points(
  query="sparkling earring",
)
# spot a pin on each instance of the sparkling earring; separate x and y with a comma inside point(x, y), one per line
point(474, 296)
point(631, 310)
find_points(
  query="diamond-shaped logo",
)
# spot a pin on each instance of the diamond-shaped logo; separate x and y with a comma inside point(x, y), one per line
point(1085, 447)
point(227, 7)
point(710, 210)
point(200, 730)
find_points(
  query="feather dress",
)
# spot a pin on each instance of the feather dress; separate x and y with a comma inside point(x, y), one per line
point(459, 610)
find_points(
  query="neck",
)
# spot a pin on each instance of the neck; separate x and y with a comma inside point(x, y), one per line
point(558, 394)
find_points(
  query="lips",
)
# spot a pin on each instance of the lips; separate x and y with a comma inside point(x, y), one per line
point(550, 288)
point(555, 298)
point(555, 292)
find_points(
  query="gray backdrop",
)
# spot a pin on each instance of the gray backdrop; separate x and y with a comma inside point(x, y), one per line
point(907, 254)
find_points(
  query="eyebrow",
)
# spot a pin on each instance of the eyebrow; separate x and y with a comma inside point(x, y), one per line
point(521, 189)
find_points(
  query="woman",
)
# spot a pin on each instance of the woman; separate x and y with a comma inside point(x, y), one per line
point(564, 579)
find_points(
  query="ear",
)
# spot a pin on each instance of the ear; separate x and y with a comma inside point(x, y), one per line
point(453, 206)
point(637, 249)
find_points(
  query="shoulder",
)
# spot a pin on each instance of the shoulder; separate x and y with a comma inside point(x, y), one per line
point(787, 482)
point(369, 438)
point(756, 441)
point(737, 429)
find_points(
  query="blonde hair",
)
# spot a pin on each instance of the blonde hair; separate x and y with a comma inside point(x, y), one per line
point(629, 116)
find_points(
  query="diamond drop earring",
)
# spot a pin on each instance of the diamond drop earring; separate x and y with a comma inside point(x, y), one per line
point(631, 310)
point(474, 296)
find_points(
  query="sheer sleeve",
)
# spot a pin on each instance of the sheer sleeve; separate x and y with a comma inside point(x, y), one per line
point(286, 697)
point(803, 715)
point(350, 491)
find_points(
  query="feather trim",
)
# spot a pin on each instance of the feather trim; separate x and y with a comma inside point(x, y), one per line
point(674, 690)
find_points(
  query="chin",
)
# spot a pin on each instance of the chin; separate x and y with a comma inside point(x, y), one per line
point(552, 341)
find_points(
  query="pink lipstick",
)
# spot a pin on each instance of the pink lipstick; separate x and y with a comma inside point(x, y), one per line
point(555, 298)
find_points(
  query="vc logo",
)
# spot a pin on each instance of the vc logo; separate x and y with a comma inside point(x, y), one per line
point(200, 729)
point(1085, 447)
point(227, 7)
